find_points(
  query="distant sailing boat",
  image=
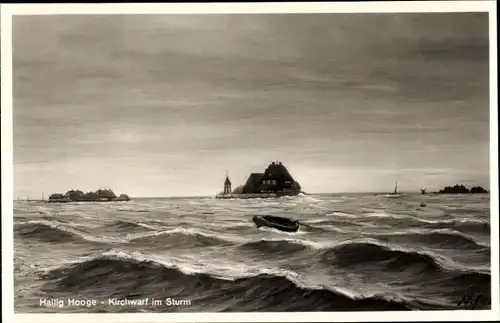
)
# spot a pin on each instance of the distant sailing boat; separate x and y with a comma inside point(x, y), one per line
point(395, 194)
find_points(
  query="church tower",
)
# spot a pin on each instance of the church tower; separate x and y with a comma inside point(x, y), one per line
point(227, 185)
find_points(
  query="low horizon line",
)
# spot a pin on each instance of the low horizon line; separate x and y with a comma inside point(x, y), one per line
point(315, 193)
point(321, 193)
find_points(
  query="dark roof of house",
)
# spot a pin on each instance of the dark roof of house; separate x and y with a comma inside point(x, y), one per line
point(277, 170)
point(256, 176)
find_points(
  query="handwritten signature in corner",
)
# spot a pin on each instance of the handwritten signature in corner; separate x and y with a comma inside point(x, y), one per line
point(472, 300)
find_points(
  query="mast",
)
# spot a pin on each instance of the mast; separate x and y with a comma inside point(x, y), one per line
point(396, 188)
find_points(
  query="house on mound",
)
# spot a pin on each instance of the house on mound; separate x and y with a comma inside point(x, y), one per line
point(275, 179)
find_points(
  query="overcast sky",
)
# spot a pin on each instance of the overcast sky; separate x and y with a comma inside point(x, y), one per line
point(162, 105)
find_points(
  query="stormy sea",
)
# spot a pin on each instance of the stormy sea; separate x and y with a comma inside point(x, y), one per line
point(354, 252)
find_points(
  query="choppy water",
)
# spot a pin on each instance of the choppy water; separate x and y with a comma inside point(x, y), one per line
point(361, 252)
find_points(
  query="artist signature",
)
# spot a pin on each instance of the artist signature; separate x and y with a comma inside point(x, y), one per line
point(472, 300)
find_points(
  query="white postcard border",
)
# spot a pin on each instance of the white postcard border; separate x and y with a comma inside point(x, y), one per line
point(8, 10)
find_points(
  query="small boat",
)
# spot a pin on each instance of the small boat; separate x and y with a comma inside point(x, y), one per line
point(395, 194)
point(276, 222)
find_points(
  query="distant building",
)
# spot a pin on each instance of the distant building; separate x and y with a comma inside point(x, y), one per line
point(56, 196)
point(275, 179)
point(74, 195)
point(105, 194)
point(101, 195)
point(461, 189)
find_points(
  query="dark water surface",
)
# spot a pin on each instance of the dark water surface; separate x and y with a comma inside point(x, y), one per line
point(362, 252)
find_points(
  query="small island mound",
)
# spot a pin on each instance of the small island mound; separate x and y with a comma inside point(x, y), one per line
point(101, 195)
point(461, 189)
point(276, 181)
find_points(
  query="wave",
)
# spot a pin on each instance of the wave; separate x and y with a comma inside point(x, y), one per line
point(368, 250)
point(132, 276)
point(442, 238)
point(185, 238)
point(357, 253)
point(328, 225)
point(386, 220)
point(466, 225)
point(55, 232)
point(274, 247)
point(365, 253)
point(467, 284)
point(342, 214)
point(407, 220)
point(473, 279)
point(21, 218)
point(305, 198)
point(49, 231)
point(237, 226)
point(132, 210)
point(381, 214)
point(369, 215)
point(299, 232)
point(314, 229)
point(123, 225)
